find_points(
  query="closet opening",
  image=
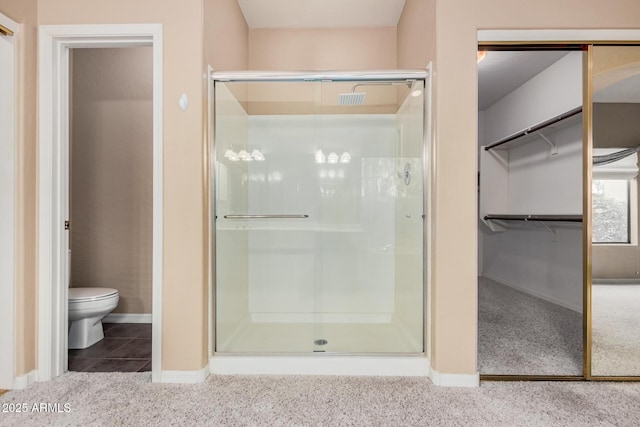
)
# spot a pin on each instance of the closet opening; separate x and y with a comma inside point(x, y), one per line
point(530, 225)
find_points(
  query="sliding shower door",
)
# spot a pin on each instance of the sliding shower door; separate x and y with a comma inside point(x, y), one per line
point(319, 217)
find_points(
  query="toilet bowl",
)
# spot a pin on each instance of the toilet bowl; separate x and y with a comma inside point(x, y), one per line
point(87, 308)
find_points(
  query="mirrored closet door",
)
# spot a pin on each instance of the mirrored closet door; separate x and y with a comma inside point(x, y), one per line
point(615, 289)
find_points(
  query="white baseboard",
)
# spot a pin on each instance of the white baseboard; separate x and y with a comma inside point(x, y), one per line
point(455, 380)
point(24, 381)
point(403, 366)
point(184, 377)
point(128, 318)
point(535, 294)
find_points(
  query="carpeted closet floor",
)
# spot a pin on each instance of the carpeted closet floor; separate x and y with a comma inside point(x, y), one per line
point(519, 334)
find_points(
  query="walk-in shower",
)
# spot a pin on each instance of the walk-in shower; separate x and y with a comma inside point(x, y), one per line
point(319, 213)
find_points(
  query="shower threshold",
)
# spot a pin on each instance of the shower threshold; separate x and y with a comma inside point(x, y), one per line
point(401, 365)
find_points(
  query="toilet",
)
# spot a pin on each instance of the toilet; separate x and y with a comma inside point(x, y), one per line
point(87, 308)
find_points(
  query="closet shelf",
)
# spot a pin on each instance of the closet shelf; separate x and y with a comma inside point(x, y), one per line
point(545, 218)
point(536, 128)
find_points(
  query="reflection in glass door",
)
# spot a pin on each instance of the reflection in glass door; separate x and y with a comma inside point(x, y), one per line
point(319, 216)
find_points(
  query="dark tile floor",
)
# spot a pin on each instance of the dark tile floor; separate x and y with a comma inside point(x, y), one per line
point(126, 347)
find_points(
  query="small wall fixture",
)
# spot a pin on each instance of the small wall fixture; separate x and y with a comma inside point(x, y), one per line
point(183, 102)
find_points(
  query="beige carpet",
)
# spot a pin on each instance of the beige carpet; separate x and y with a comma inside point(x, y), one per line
point(108, 399)
point(615, 326)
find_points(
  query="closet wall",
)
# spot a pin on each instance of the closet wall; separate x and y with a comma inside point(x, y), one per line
point(528, 179)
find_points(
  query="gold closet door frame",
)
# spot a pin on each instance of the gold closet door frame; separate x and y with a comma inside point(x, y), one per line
point(587, 148)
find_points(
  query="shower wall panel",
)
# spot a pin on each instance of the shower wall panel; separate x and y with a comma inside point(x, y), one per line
point(347, 243)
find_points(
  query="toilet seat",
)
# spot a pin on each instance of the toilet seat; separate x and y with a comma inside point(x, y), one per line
point(91, 294)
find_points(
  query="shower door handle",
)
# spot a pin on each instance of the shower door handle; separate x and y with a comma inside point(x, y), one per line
point(266, 216)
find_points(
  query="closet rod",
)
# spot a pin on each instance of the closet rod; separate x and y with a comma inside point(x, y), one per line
point(535, 128)
point(549, 218)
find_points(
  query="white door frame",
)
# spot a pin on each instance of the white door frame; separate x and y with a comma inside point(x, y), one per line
point(8, 158)
point(53, 181)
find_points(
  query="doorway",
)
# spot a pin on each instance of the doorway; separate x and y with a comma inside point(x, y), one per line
point(319, 215)
point(530, 284)
point(111, 147)
point(55, 44)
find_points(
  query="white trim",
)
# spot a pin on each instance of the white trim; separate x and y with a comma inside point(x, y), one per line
point(455, 380)
point(128, 318)
point(184, 377)
point(395, 366)
point(583, 35)
point(513, 285)
point(8, 205)
point(54, 44)
point(24, 381)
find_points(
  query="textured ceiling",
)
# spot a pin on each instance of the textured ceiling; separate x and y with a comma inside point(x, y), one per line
point(321, 13)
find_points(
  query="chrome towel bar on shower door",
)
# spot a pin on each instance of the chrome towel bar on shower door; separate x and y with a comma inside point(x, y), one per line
point(265, 216)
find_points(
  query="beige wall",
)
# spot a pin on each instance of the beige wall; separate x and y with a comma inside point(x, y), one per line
point(24, 12)
point(417, 34)
point(111, 173)
point(226, 35)
point(184, 282)
point(323, 49)
point(454, 273)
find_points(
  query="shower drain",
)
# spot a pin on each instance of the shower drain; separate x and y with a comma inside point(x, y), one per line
point(321, 342)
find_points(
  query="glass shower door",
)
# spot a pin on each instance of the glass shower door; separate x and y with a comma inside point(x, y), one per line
point(265, 234)
point(319, 217)
point(369, 290)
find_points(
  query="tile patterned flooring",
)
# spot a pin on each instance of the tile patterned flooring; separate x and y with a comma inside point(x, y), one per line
point(126, 347)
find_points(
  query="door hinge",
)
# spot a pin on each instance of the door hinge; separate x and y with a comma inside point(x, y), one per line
point(66, 225)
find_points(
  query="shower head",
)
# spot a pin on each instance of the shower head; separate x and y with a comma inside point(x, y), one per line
point(353, 98)
point(357, 98)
